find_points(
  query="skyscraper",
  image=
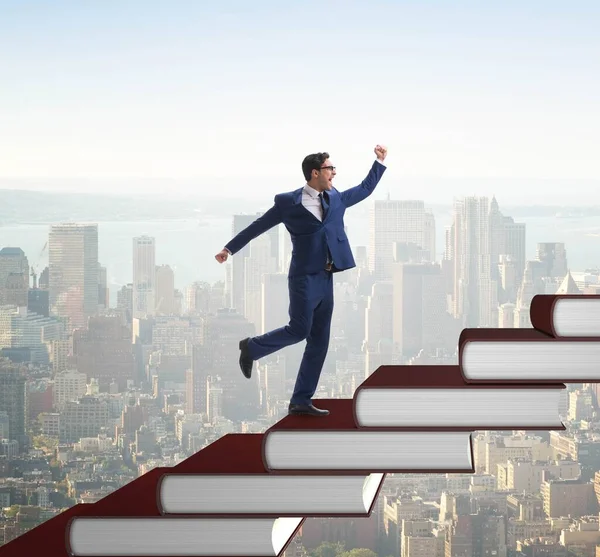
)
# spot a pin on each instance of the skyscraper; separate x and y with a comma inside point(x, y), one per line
point(404, 222)
point(144, 276)
point(73, 272)
point(514, 245)
point(165, 290)
point(474, 292)
point(14, 277)
point(12, 398)
point(222, 334)
point(237, 298)
point(418, 304)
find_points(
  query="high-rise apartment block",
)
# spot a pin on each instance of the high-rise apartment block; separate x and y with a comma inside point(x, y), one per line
point(144, 276)
point(73, 272)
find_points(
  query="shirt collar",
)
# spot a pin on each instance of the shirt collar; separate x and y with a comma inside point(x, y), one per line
point(311, 191)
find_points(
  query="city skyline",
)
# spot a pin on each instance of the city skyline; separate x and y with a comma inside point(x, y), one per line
point(153, 389)
point(139, 138)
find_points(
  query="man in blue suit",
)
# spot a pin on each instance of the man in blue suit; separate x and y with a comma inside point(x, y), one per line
point(314, 217)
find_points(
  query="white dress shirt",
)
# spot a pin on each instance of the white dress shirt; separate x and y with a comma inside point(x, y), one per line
point(311, 201)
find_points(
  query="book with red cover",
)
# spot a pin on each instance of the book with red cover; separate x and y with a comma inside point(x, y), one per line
point(234, 476)
point(566, 315)
point(438, 396)
point(335, 444)
point(527, 355)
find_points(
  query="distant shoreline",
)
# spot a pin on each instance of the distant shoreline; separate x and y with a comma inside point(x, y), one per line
point(28, 207)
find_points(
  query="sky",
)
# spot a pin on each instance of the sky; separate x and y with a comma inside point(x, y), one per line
point(226, 98)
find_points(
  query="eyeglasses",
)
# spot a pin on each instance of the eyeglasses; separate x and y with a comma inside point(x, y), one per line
point(332, 168)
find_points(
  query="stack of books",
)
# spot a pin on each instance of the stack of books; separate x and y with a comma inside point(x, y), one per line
point(248, 494)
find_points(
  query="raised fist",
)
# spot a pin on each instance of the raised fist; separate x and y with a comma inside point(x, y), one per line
point(380, 152)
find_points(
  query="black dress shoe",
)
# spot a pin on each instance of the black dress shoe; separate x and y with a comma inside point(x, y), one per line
point(307, 410)
point(245, 360)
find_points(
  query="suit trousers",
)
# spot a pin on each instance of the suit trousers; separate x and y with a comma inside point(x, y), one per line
point(310, 311)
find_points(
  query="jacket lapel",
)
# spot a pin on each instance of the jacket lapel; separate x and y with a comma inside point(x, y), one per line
point(297, 196)
point(329, 207)
point(297, 200)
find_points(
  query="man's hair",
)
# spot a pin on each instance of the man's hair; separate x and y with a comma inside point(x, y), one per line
point(313, 162)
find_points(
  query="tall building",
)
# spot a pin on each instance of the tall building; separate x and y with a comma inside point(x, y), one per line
point(553, 256)
point(196, 381)
point(214, 398)
point(238, 263)
point(514, 245)
point(165, 290)
point(474, 296)
point(14, 277)
point(44, 281)
point(420, 320)
point(197, 297)
point(38, 301)
point(125, 301)
point(274, 371)
point(222, 335)
point(144, 276)
point(73, 272)
point(404, 222)
point(59, 354)
point(12, 398)
point(103, 291)
point(484, 261)
point(379, 318)
point(259, 263)
point(497, 239)
point(531, 284)
point(4, 427)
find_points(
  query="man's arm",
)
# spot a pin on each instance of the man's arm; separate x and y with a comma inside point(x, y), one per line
point(354, 195)
point(263, 223)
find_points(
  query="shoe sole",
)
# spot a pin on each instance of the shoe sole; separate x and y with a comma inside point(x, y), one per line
point(296, 413)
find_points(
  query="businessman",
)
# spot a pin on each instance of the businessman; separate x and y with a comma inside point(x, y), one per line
point(314, 217)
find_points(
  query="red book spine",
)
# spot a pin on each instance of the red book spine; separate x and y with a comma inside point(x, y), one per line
point(541, 313)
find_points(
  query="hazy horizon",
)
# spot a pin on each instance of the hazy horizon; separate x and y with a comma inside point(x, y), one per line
point(558, 192)
point(486, 94)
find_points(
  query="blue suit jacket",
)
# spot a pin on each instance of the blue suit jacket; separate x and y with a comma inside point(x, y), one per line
point(310, 236)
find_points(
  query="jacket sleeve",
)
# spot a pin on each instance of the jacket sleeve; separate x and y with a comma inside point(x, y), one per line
point(353, 195)
point(263, 223)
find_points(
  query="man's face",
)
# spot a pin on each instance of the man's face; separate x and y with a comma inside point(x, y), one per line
point(326, 175)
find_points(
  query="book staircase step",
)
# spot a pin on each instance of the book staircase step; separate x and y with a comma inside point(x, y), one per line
point(157, 536)
point(336, 443)
point(527, 355)
point(229, 477)
point(437, 396)
point(248, 494)
point(566, 315)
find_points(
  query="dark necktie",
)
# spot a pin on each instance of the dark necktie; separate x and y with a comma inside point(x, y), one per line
point(323, 196)
point(324, 203)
